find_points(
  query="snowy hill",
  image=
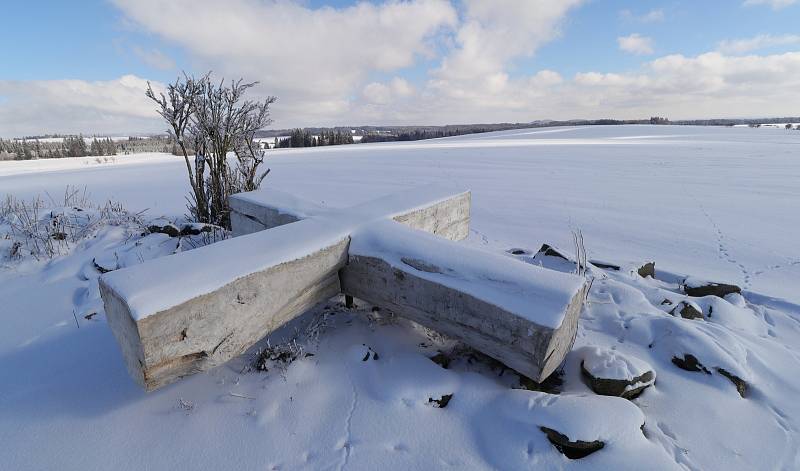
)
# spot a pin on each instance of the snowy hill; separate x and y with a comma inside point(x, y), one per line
point(717, 204)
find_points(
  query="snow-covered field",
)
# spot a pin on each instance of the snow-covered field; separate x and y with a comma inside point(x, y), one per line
point(720, 204)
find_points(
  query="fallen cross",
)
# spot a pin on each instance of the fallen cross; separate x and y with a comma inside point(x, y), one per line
point(191, 311)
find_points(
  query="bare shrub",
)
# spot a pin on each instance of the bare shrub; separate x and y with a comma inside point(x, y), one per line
point(47, 229)
point(210, 120)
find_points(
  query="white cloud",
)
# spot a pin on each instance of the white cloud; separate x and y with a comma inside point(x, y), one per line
point(49, 106)
point(311, 58)
point(636, 44)
point(775, 4)
point(676, 86)
point(652, 16)
point(154, 58)
point(384, 93)
point(318, 61)
point(762, 41)
point(491, 35)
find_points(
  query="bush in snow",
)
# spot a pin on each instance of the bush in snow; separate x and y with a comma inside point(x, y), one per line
point(45, 229)
point(209, 120)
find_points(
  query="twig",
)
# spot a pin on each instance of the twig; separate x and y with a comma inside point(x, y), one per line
point(242, 396)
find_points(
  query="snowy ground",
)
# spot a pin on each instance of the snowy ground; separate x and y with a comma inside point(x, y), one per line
point(721, 204)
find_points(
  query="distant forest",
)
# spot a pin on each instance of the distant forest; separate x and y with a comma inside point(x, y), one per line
point(305, 137)
point(59, 146)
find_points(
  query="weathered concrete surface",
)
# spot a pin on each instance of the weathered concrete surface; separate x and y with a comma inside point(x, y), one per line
point(440, 211)
point(164, 342)
point(209, 323)
point(210, 329)
point(264, 209)
point(511, 337)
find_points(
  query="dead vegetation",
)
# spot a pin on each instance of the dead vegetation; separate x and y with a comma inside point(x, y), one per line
point(48, 227)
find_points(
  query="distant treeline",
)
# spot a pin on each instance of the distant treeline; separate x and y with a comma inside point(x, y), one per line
point(305, 138)
point(414, 133)
point(78, 146)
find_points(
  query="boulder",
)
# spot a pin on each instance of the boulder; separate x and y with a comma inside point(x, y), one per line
point(551, 252)
point(689, 362)
point(687, 310)
point(163, 226)
point(571, 449)
point(440, 403)
point(605, 265)
point(648, 269)
point(610, 373)
point(699, 288)
point(741, 385)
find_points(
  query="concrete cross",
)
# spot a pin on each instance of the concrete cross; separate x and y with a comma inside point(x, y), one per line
point(192, 311)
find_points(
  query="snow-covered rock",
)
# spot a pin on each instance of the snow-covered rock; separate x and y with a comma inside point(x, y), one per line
point(610, 373)
point(697, 288)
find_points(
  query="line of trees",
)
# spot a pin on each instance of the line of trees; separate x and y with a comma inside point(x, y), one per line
point(304, 138)
point(70, 146)
point(420, 134)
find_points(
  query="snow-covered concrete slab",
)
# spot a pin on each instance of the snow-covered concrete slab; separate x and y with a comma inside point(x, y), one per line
point(189, 312)
point(522, 315)
point(433, 208)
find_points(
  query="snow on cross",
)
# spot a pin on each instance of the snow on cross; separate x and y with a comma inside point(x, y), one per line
point(189, 312)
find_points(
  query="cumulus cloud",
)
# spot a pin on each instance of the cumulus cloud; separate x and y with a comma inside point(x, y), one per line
point(49, 106)
point(652, 16)
point(636, 44)
point(154, 58)
point(384, 93)
point(775, 4)
point(676, 86)
point(311, 58)
point(762, 41)
point(321, 62)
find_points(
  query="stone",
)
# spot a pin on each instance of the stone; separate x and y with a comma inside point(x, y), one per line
point(609, 373)
point(739, 383)
point(689, 362)
point(698, 289)
point(573, 450)
point(605, 265)
point(440, 403)
point(551, 252)
point(687, 310)
point(648, 269)
point(164, 227)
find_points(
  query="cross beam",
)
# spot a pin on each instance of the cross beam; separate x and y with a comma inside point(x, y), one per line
point(189, 312)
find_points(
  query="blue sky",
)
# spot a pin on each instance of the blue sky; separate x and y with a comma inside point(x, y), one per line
point(435, 61)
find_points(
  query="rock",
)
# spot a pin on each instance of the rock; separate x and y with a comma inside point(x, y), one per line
point(689, 362)
point(687, 310)
point(104, 266)
point(573, 450)
point(369, 354)
point(441, 359)
point(604, 265)
point(648, 269)
point(517, 251)
point(698, 288)
point(440, 403)
point(195, 229)
point(551, 385)
point(551, 252)
point(741, 385)
point(164, 227)
point(609, 373)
